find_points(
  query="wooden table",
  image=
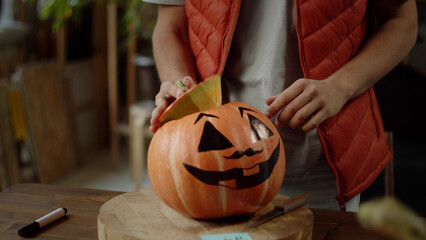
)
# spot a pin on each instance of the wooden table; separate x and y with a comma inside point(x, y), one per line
point(22, 203)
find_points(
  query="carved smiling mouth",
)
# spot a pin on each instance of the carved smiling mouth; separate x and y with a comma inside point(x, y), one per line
point(236, 178)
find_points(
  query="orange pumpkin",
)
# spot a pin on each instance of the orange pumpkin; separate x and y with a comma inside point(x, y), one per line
point(226, 161)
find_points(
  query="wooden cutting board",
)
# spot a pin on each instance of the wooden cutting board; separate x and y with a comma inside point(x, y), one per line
point(142, 215)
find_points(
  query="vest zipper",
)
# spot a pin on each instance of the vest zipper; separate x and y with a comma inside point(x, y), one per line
point(299, 41)
point(321, 134)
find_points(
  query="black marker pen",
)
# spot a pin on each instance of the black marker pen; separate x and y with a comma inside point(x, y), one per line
point(41, 222)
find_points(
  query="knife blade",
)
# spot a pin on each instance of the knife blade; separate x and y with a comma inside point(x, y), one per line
point(280, 209)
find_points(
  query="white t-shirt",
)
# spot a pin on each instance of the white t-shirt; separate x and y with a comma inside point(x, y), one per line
point(263, 61)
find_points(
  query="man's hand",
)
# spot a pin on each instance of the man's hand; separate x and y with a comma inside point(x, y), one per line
point(168, 93)
point(306, 103)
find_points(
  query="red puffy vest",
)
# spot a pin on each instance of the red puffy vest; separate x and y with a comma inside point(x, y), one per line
point(330, 33)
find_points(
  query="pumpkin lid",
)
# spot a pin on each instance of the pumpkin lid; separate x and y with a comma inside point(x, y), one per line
point(205, 95)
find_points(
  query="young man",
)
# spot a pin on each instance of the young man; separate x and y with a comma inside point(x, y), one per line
point(309, 65)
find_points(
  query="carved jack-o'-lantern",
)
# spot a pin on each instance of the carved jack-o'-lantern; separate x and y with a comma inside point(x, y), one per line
point(225, 161)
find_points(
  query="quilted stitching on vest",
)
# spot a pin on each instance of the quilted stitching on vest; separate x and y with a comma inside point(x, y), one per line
point(207, 24)
point(341, 23)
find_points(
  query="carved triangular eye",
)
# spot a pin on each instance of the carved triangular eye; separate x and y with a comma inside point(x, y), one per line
point(259, 131)
point(212, 139)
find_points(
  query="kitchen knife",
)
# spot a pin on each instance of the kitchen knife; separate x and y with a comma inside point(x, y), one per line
point(281, 209)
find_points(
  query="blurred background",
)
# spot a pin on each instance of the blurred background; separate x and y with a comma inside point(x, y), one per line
point(77, 80)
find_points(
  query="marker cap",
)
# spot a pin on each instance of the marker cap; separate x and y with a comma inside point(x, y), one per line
point(29, 229)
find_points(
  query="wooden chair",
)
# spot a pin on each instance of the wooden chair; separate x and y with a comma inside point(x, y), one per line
point(139, 135)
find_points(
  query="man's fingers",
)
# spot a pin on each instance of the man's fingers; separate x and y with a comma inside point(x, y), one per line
point(277, 104)
point(160, 99)
point(281, 100)
point(303, 115)
point(171, 89)
point(168, 92)
point(313, 121)
point(155, 117)
point(188, 82)
point(295, 108)
point(270, 100)
point(153, 129)
point(156, 113)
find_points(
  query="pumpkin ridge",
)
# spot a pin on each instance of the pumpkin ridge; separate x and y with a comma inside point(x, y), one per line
point(222, 191)
point(177, 181)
